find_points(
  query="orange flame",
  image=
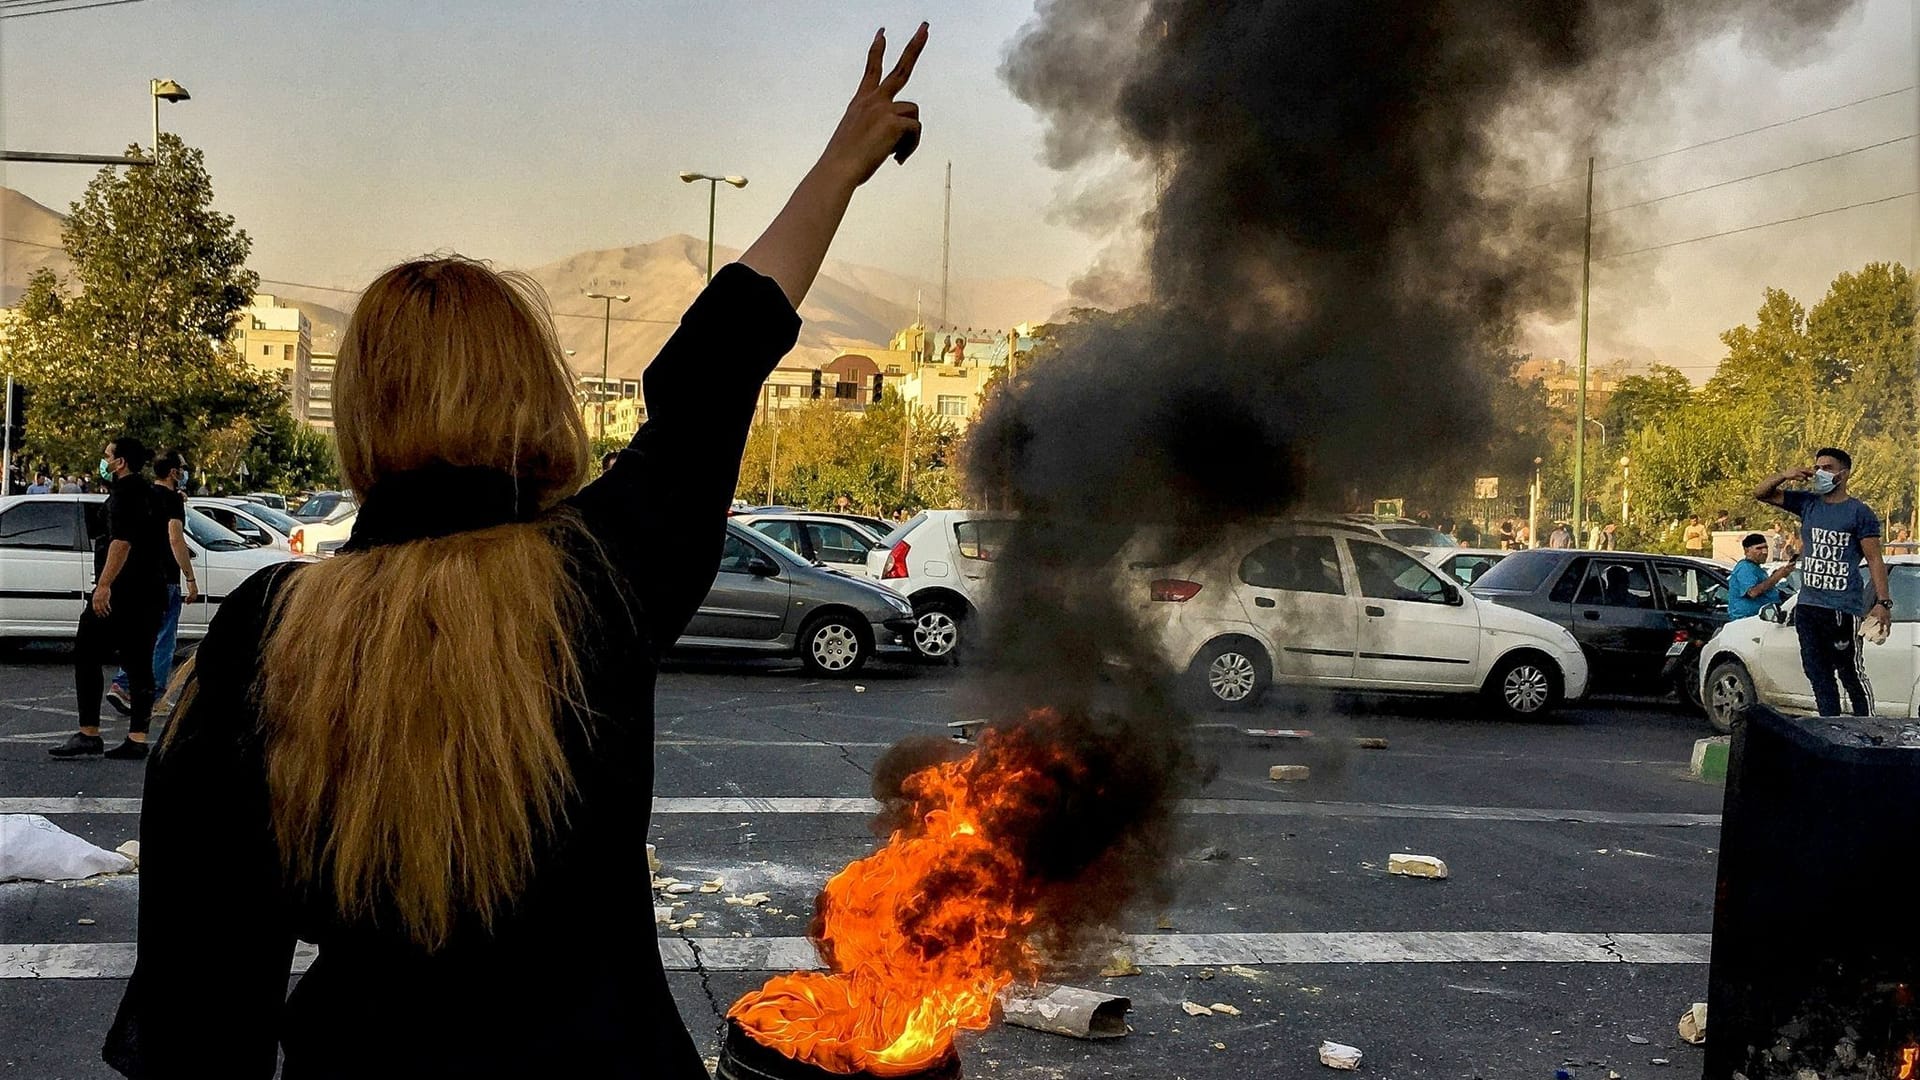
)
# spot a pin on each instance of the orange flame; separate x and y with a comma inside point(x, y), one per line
point(1909, 1063)
point(921, 936)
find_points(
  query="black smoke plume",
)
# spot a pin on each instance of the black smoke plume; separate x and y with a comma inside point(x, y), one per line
point(1347, 225)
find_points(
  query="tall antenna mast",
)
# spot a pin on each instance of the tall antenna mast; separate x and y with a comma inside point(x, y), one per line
point(946, 235)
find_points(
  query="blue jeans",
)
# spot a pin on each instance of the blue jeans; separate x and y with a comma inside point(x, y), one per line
point(162, 648)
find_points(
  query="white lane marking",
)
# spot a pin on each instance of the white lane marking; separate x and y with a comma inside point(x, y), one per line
point(114, 960)
point(670, 804)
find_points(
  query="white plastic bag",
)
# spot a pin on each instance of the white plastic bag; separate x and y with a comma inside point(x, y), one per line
point(35, 849)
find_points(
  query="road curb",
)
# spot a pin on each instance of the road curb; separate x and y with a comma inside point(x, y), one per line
point(1710, 758)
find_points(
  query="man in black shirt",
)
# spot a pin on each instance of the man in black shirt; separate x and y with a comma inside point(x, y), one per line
point(169, 480)
point(129, 597)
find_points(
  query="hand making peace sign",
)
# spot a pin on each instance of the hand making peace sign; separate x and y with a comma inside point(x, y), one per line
point(876, 124)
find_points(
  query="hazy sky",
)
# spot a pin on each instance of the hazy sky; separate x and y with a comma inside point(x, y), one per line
point(346, 136)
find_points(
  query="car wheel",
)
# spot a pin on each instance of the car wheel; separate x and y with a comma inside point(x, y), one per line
point(1231, 673)
point(1525, 685)
point(1729, 690)
point(936, 630)
point(832, 647)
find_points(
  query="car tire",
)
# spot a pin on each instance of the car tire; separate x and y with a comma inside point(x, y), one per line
point(938, 626)
point(833, 647)
point(1729, 690)
point(1525, 685)
point(1231, 674)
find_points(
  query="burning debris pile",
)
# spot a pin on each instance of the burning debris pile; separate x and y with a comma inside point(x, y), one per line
point(995, 862)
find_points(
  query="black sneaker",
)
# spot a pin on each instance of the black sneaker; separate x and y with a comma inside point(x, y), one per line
point(129, 751)
point(118, 698)
point(78, 745)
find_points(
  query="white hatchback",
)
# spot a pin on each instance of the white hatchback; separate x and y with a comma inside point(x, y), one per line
point(940, 561)
point(1756, 660)
point(1326, 606)
point(46, 564)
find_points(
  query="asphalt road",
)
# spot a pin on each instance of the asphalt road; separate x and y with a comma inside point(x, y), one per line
point(1572, 932)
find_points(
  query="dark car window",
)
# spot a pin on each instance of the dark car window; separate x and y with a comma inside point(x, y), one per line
point(980, 539)
point(836, 543)
point(1569, 582)
point(1469, 569)
point(1611, 583)
point(785, 533)
point(46, 526)
point(737, 555)
point(1417, 536)
point(1387, 574)
point(211, 535)
point(1691, 588)
point(1904, 582)
point(318, 506)
point(1294, 564)
point(1521, 572)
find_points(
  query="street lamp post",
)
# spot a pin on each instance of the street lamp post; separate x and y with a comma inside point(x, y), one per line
point(1623, 490)
point(1533, 507)
point(713, 188)
point(163, 90)
point(606, 345)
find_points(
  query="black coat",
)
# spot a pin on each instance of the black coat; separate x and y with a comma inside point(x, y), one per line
point(569, 982)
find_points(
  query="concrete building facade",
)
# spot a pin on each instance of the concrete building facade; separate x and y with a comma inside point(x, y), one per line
point(277, 338)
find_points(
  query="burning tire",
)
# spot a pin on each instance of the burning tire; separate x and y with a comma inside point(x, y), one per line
point(1729, 690)
point(833, 646)
point(936, 630)
point(1524, 685)
point(1231, 673)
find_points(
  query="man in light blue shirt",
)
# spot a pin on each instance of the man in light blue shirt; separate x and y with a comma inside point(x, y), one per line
point(1750, 587)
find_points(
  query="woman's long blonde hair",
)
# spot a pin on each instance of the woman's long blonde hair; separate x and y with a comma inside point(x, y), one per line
point(410, 691)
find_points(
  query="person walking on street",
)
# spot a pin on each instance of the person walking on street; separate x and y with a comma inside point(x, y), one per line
point(1561, 536)
point(122, 616)
point(1777, 538)
point(1609, 537)
point(1837, 532)
point(1696, 538)
point(40, 486)
point(1750, 587)
point(70, 486)
point(169, 473)
point(417, 754)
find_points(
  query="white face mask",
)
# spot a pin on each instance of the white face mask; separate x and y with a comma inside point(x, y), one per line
point(1822, 482)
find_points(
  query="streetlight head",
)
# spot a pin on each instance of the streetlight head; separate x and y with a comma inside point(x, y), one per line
point(736, 181)
point(690, 177)
point(169, 90)
point(622, 297)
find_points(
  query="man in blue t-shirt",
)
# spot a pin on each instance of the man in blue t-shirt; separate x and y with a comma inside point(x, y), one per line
point(1837, 532)
point(1750, 587)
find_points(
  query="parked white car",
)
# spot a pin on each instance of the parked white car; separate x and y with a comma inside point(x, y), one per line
point(1328, 606)
point(256, 523)
point(939, 560)
point(825, 539)
point(1757, 659)
point(46, 564)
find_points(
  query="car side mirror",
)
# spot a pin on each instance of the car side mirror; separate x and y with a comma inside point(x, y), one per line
point(1450, 593)
point(761, 566)
point(1772, 613)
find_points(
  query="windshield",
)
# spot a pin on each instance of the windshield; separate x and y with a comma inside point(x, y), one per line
point(318, 506)
point(767, 546)
point(1903, 581)
point(1417, 536)
point(275, 518)
point(211, 535)
point(1521, 572)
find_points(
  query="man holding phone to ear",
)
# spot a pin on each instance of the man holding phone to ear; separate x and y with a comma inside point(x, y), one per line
point(1837, 532)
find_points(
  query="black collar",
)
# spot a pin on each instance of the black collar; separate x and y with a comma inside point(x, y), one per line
point(438, 500)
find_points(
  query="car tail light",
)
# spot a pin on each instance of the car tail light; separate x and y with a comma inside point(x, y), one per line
point(1679, 637)
point(298, 541)
point(1174, 590)
point(896, 562)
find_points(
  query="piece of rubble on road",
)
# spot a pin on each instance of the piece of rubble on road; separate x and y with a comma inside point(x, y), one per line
point(1369, 742)
point(1244, 972)
point(682, 888)
point(1339, 1055)
point(653, 860)
point(1065, 1010)
point(1426, 866)
point(1120, 964)
point(1279, 733)
point(1195, 1010)
point(1222, 1007)
point(1693, 1023)
point(131, 849)
point(662, 916)
point(712, 885)
point(1288, 772)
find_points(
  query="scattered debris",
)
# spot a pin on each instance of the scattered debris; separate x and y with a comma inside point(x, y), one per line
point(1370, 743)
point(1693, 1023)
point(1222, 1007)
point(1288, 772)
point(131, 849)
point(1638, 1040)
point(752, 899)
point(1612, 1075)
point(965, 730)
point(682, 888)
point(662, 916)
point(1279, 733)
point(1664, 1061)
point(858, 689)
point(1195, 1010)
point(83, 922)
point(712, 885)
point(653, 859)
point(1219, 1046)
point(1066, 1010)
point(1210, 853)
point(1244, 972)
point(35, 849)
point(1806, 1074)
point(1339, 1055)
point(1164, 922)
point(662, 882)
point(1425, 866)
point(1120, 964)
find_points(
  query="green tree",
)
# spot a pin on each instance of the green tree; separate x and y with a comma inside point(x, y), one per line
point(819, 452)
point(137, 339)
point(1640, 401)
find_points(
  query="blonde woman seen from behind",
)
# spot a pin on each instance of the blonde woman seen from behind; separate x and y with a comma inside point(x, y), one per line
point(431, 755)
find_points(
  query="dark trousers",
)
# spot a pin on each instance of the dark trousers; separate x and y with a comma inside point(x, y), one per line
point(1829, 650)
point(124, 638)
